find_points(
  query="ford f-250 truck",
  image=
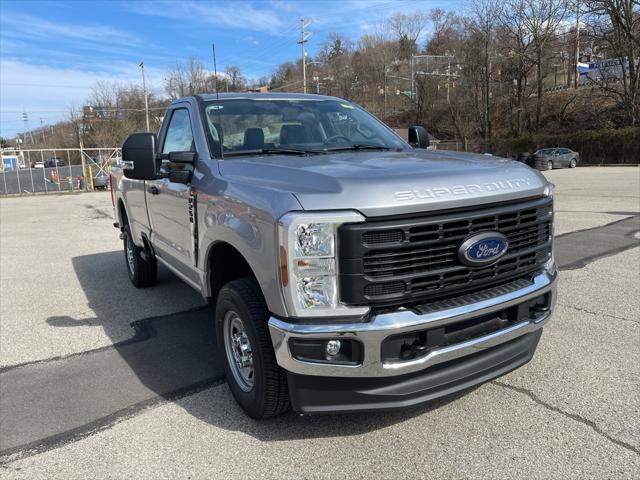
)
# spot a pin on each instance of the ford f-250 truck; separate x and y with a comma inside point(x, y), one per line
point(350, 270)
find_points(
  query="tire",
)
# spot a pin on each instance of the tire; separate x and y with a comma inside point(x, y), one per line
point(256, 381)
point(142, 273)
point(573, 163)
point(542, 164)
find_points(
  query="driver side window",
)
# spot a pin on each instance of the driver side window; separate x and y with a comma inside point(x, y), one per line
point(179, 136)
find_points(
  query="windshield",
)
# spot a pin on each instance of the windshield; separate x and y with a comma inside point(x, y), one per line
point(544, 151)
point(258, 126)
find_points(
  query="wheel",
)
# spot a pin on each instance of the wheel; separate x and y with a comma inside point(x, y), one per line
point(542, 164)
point(142, 272)
point(573, 163)
point(256, 381)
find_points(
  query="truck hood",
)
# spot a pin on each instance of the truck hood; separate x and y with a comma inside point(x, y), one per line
point(389, 183)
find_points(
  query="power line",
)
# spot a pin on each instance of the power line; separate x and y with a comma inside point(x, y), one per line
point(285, 85)
point(102, 109)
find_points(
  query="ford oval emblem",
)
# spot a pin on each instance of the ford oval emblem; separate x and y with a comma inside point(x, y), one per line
point(483, 248)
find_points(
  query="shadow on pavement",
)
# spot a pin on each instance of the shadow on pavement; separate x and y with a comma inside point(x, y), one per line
point(173, 353)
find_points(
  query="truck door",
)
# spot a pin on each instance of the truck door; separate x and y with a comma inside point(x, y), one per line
point(168, 201)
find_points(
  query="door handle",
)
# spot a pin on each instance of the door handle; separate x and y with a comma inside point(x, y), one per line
point(153, 190)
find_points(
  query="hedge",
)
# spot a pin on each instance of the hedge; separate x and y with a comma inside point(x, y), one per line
point(596, 147)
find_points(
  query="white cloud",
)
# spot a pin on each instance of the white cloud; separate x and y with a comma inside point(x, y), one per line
point(49, 92)
point(39, 28)
point(239, 15)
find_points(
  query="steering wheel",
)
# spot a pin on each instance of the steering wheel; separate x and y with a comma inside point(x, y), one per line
point(336, 137)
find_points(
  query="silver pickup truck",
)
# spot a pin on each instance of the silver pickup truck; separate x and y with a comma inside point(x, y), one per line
point(350, 270)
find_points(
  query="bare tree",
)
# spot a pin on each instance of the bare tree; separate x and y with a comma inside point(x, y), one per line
point(482, 25)
point(541, 20)
point(617, 24)
point(235, 80)
point(516, 49)
point(188, 79)
point(406, 29)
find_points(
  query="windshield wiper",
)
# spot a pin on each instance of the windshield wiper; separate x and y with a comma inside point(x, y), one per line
point(360, 146)
point(270, 151)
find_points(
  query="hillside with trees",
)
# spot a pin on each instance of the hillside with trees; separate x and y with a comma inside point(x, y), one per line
point(499, 78)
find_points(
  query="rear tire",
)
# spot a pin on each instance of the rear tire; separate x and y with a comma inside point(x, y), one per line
point(142, 272)
point(573, 163)
point(256, 381)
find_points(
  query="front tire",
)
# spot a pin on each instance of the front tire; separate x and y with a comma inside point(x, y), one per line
point(142, 272)
point(256, 381)
point(573, 163)
point(542, 164)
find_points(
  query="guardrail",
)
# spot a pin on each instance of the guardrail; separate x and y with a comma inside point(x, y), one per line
point(55, 170)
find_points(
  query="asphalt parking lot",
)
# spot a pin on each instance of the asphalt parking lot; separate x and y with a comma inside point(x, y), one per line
point(41, 180)
point(100, 380)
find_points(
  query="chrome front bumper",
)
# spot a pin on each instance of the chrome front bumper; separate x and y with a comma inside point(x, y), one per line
point(373, 332)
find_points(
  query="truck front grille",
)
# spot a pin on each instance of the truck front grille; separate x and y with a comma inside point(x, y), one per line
point(399, 261)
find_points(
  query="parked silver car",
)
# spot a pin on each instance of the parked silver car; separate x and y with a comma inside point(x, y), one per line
point(550, 158)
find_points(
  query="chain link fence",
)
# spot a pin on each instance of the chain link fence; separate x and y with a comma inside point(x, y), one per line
point(56, 170)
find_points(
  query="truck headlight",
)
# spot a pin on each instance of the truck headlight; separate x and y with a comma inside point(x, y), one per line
point(308, 263)
point(550, 264)
point(549, 189)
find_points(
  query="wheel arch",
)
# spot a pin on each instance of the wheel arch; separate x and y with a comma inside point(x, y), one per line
point(225, 263)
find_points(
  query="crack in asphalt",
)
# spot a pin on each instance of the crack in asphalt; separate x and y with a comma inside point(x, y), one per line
point(166, 355)
point(98, 213)
point(145, 330)
point(19, 452)
point(581, 309)
point(573, 416)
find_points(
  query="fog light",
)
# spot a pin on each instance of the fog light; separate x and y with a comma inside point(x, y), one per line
point(333, 347)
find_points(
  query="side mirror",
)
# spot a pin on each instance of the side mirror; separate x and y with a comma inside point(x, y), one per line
point(182, 157)
point(139, 156)
point(418, 137)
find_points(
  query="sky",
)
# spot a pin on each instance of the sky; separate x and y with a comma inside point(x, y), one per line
point(53, 52)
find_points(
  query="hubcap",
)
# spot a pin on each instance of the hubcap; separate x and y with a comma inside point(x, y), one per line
point(130, 255)
point(238, 350)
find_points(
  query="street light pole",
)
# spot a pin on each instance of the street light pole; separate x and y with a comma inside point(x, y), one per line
point(146, 99)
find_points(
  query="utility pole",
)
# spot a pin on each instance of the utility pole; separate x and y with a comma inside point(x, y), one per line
point(303, 39)
point(42, 130)
point(146, 99)
point(577, 72)
point(412, 77)
point(384, 90)
point(448, 79)
point(25, 119)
